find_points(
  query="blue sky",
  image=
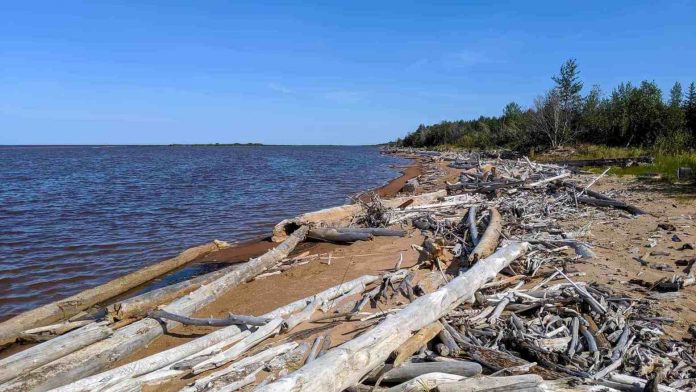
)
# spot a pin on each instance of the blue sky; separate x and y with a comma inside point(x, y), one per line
point(348, 72)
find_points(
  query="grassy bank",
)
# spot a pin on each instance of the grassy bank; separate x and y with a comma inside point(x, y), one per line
point(664, 165)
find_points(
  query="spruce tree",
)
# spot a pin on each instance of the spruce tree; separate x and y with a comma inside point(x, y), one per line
point(690, 109)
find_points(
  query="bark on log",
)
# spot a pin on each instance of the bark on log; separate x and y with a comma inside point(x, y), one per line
point(344, 365)
point(489, 240)
point(335, 214)
point(415, 342)
point(65, 308)
point(163, 359)
point(97, 357)
point(333, 235)
point(610, 203)
point(138, 306)
point(497, 384)
point(42, 354)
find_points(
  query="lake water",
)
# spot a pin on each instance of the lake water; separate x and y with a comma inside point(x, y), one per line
point(75, 217)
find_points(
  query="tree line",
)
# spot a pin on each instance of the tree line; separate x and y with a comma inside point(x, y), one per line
point(631, 116)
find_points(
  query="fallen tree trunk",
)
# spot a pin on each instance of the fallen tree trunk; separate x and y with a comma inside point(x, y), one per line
point(596, 195)
point(489, 240)
point(333, 235)
point(232, 319)
point(125, 341)
point(410, 370)
point(610, 203)
point(165, 358)
point(345, 365)
point(493, 384)
point(415, 342)
point(42, 354)
point(138, 306)
point(335, 214)
point(65, 308)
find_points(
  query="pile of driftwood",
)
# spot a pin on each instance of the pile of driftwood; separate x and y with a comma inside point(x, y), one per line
point(493, 304)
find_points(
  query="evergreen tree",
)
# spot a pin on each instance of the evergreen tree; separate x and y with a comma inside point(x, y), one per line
point(676, 95)
point(567, 91)
point(690, 109)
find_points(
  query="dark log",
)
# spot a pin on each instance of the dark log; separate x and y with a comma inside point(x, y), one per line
point(498, 360)
point(604, 161)
point(610, 203)
point(333, 235)
point(232, 319)
point(375, 231)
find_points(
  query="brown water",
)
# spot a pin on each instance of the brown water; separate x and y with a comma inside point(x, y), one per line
point(75, 217)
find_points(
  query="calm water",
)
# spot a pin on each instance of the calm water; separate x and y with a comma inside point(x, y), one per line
point(75, 217)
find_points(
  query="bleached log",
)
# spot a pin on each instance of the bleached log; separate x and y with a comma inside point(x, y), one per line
point(138, 306)
point(65, 308)
point(263, 356)
point(345, 365)
point(302, 316)
point(98, 356)
point(336, 214)
point(550, 179)
point(163, 359)
point(234, 352)
point(410, 370)
point(471, 222)
point(489, 240)
point(526, 382)
point(235, 386)
point(55, 329)
point(232, 319)
point(53, 349)
point(425, 382)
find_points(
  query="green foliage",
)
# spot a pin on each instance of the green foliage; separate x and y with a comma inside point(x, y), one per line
point(631, 116)
point(665, 165)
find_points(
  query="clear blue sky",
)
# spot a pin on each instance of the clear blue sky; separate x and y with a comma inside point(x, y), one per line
point(343, 72)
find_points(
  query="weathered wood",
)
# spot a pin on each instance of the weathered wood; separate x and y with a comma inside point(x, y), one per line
point(98, 356)
point(375, 231)
point(425, 382)
point(492, 384)
point(65, 308)
point(232, 319)
point(333, 235)
point(547, 180)
point(410, 370)
point(195, 347)
point(610, 203)
point(58, 347)
point(498, 360)
point(316, 347)
point(489, 240)
point(335, 214)
point(344, 365)
point(471, 223)
point(139, 305)
point(415, 342)
point(263, 356)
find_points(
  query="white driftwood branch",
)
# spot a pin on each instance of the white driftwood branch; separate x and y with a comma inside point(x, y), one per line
point(345, 365)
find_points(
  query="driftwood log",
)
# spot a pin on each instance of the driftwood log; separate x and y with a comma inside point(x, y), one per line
point(98, 356)
point(139, 305)
point(335, 214)
point(65, 308)
point(345, 365)
point(489, 239)
point(526, 382)
point(232, 319)
point(410, 370)
point(415, 342)
point(42, 354)
point(165, 358)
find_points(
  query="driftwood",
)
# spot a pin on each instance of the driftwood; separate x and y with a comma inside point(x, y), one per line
point(48, 332)
point(97, 357)
point(344, 365)
point(489, 240)
point(139, 305)
point(335, 214)
point(415, 342)
point(163, 359)
point(471, 223)
point(425, 382)
point(609, 203)
point(333, 235)
point(410, 370)
point(232, 319)
point(65, 308)
point(527, 382)
point(42, 354)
